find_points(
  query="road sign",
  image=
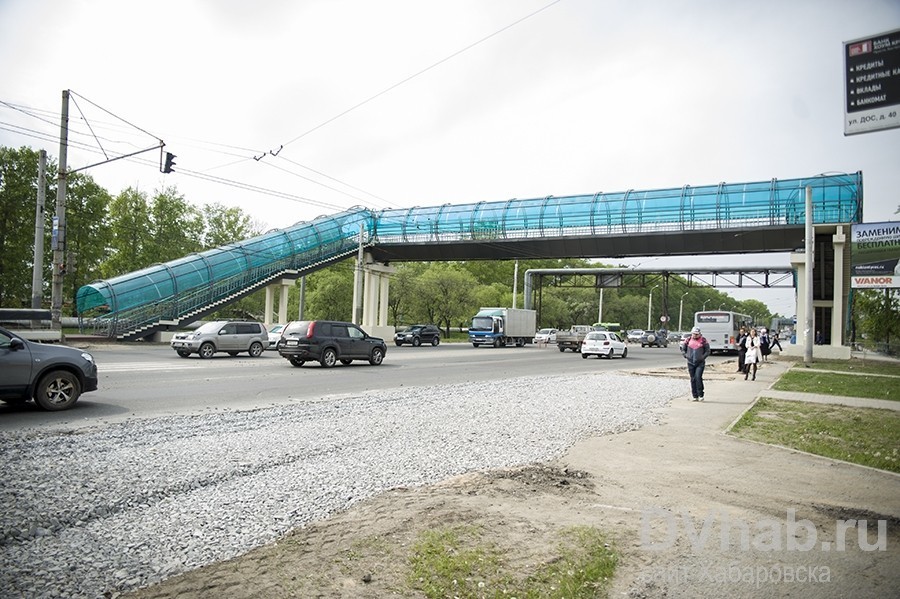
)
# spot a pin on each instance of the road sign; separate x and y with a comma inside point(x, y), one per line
point(664, 318)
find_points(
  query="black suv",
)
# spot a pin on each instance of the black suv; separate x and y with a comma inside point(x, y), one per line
point(327, 342)
point(418, 334)
point(54, 376)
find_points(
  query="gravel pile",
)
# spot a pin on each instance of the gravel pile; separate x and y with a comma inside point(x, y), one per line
point(94, 512)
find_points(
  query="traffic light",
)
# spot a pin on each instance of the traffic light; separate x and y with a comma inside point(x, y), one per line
point(170, 162)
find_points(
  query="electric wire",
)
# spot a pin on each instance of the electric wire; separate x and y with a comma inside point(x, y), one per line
point(421, 72)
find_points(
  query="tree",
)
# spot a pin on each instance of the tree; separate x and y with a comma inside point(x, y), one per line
point(129, 217)
point(226, 225)
point(329, 292)
point(404, 288)
point(176, 227)
point(88, 233)
point(877, 315)
point(18, 193)
point(447, 294)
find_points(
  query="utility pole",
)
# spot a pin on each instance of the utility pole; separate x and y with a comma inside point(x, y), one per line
point(37, 278)
point(59, 222)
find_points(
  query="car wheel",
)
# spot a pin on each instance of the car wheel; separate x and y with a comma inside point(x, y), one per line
point(496, 343)
point(256, 349)
point(345, 361)
point(561, 349)
point(625, 353)
point(416, 342)
point(377, 357)
point(584, 356)
point(232, 353)
point(329, 358)
point(435, 341)
point(475, 344)
point(296, 362)
point(207, 350)
point(610, 355)
point(398, 343)
point(57, 390)
point(182, 353)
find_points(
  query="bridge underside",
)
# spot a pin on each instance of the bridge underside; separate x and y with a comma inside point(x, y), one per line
point(665, 243)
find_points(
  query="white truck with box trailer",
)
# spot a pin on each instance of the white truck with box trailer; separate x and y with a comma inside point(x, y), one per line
point(499, 327)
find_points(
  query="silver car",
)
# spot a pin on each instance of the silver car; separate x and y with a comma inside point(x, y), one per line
point(231, 337)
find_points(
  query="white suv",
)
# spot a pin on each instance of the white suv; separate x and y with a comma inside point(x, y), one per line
point(232, 337)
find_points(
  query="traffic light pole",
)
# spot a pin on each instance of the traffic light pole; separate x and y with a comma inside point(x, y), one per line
point(58, 239)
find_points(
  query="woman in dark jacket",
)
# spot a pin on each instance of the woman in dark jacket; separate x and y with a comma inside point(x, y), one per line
point(742, 349)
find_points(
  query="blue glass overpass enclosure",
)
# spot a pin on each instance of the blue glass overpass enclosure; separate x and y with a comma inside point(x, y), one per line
point(179, 291)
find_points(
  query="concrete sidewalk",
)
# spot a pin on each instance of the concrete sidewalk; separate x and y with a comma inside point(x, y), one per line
point(689, 468)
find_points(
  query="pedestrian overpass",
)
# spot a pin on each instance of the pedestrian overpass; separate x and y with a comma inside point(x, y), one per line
point(726, 218)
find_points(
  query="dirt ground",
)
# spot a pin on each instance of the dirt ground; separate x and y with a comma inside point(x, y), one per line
point(691, 511)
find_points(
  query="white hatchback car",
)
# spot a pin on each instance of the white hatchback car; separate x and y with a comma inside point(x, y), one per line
point(603, 343)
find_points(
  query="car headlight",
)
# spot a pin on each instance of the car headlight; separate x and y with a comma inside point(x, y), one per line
point(87, 356)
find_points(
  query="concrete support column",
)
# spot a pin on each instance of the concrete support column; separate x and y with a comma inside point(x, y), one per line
point(270, 305)
point(283, 301)
point(798, 263)
point(384, 285)
point(837, 311)
point(370, 297)
point(376, 279)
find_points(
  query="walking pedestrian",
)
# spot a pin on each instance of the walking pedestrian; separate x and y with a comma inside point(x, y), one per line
point(754, 355)
point(695, 351)
point(742, 349)
point(775, 340)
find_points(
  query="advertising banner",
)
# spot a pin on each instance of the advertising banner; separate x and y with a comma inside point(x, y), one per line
point(875, 255)
point(872, 83)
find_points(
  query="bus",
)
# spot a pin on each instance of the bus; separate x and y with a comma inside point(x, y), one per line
point(722, 329)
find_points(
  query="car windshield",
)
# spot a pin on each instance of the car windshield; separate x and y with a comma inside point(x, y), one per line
point(545, 331)
point(596, 336)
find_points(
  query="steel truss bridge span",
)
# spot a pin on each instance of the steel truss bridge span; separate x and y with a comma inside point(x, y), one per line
point(770, 277)
point(765, 216)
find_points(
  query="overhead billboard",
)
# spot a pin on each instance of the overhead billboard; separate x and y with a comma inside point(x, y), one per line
point(875, 255)
point(872, 83)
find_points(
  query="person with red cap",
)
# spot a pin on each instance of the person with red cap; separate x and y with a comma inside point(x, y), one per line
point(695, 351)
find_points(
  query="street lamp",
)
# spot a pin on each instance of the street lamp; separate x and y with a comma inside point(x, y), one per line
point(704, 305)
point(650, 306)
point(680, 308)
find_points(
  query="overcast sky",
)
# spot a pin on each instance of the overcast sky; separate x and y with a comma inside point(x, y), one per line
point(414, 103)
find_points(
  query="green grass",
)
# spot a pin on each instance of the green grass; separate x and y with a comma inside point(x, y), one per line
point(826, 383)
point(870, 437)
point(457, 562)
point(856, 365)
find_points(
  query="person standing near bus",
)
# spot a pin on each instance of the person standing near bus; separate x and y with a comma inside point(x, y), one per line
point(696, 350)
point(754, 355)
point(742, 349)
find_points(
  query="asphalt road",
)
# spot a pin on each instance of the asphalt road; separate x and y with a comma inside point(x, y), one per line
point(148, 380)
